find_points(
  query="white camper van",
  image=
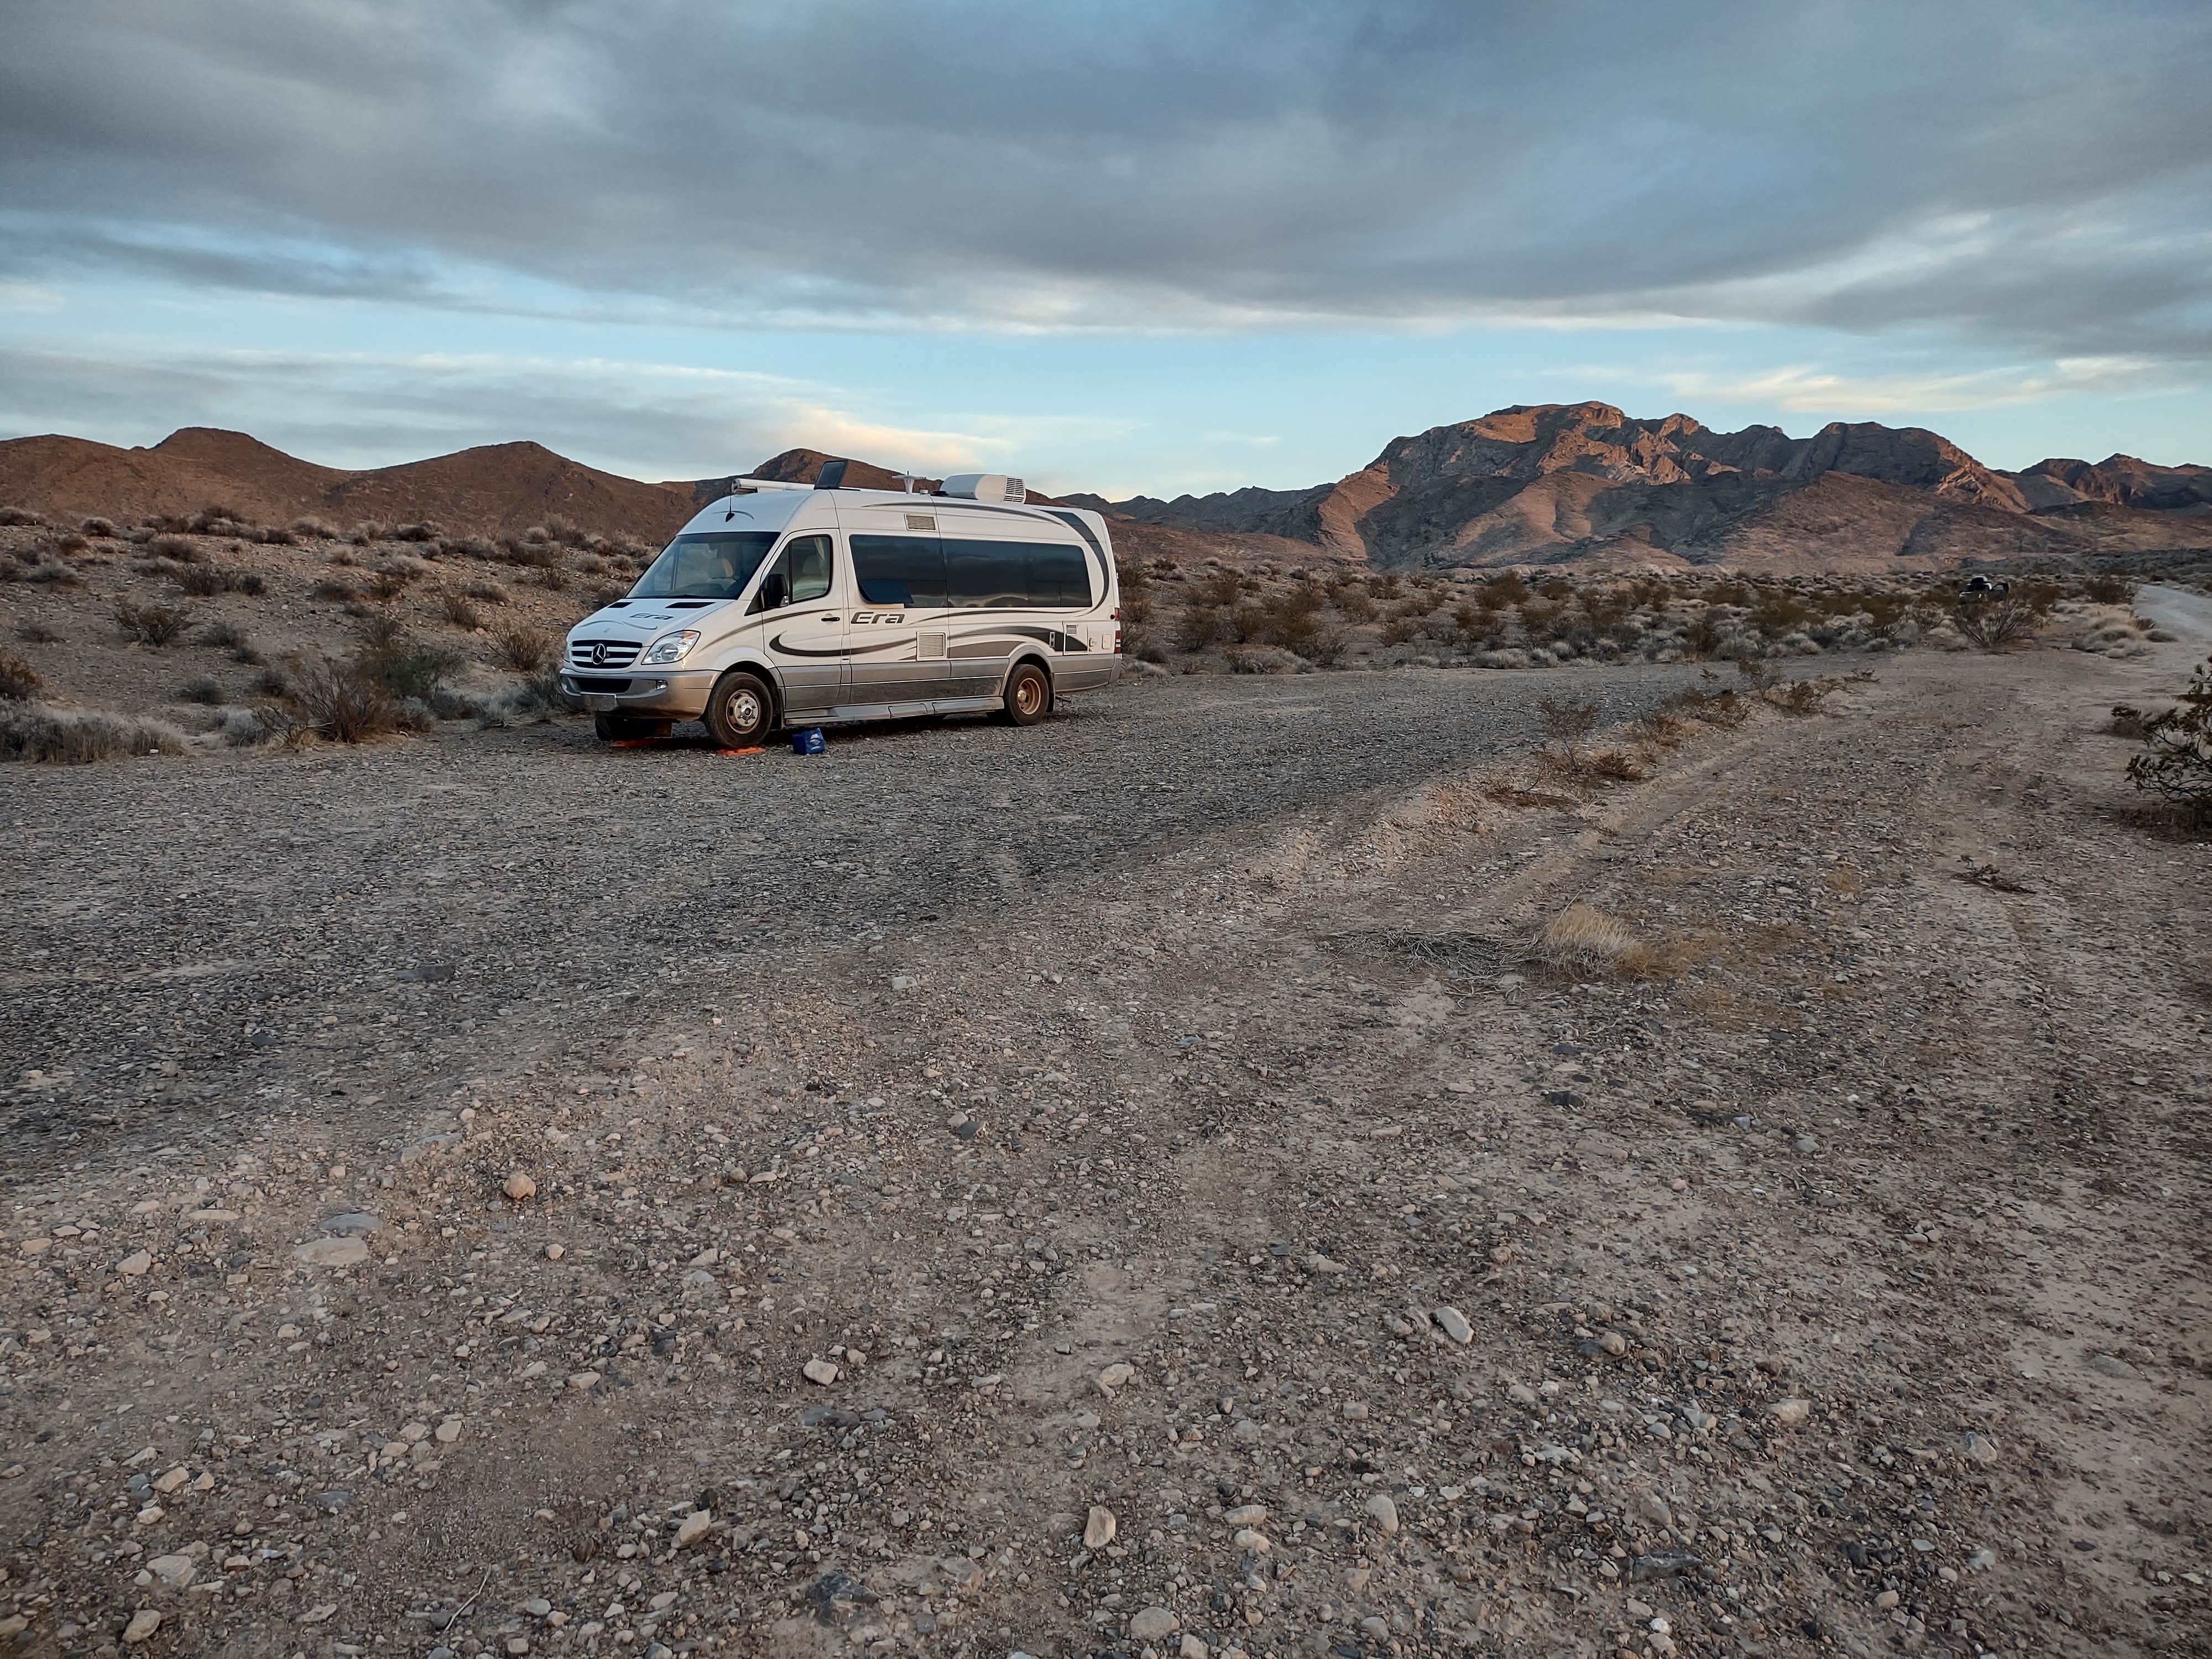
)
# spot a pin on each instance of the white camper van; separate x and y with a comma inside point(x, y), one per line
point(786, 604)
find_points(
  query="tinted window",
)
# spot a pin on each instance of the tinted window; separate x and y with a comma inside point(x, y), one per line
point(1009, 575)
point(899, 569)
point(1059, 575)
point(712, 565)
point(990, 575)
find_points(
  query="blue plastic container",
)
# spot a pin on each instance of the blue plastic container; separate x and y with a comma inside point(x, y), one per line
point(809, 740)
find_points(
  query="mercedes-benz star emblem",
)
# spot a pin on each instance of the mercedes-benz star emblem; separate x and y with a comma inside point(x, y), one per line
point(599, 654)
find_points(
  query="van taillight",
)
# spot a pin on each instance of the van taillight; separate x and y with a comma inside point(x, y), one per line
point(1117, 630)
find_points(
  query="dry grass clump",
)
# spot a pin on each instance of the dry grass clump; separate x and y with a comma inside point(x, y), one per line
point(18, 679)
point(15, 515)
point(37, 633)
point(156, 625)
point(524, 650)
point(206, 580)
point(1583, 940)
point(456, 610)
point(345, 702)
point(68, 737)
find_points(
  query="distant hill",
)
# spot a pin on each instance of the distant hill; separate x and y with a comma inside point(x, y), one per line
point(494, 488)
point(1583, 483)
point(1552, 483)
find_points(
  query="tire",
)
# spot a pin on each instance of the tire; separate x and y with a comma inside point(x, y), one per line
point(628, 728)
point(1029, 695)
point(742, 711)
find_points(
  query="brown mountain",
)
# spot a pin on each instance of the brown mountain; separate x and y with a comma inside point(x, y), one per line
point(1585, 482)
point(494, 488)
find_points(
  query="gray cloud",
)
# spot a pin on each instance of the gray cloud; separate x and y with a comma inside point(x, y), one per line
point(2036, 175)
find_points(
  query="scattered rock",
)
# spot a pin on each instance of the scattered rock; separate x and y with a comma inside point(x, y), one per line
point(143, 1623)
point(1385, 1511)
point(1246, 1515)
point(174, 1571)
point(1790, 1413)
point(693, 1527)
point(1153, 1624)
point(2103, 1362)
point(1116, 1376)
point(334, 1252)
point(1455, 1325)
point(359, 1222)
point(133, 1266)
point(1098, 1529)
point(518, 1187)
point(820, 1370)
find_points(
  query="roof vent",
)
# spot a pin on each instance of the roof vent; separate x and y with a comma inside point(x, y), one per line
point(986, 487)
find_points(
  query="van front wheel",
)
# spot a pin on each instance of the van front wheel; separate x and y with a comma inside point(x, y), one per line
point(741, 711)
point(1029, 695)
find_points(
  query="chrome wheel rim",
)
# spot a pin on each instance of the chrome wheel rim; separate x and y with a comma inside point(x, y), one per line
point(1029, 694)
point(743, 710)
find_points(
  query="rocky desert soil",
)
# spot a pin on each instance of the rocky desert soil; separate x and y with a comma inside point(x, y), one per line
point(1128, 1186)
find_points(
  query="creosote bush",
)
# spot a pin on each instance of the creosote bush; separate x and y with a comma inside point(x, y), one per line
point(1583, 940)
point(155, 625)
point(2177, 761)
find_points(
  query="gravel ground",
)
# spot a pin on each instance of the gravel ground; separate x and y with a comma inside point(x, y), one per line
point(1254, 1248)
point(193, 938)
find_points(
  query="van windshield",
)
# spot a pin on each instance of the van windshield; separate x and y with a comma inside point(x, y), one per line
point(710, 565)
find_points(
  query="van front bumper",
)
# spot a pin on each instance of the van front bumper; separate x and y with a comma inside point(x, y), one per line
point(680, 693)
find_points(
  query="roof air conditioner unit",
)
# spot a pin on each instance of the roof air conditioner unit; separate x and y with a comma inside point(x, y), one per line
point(986, 487)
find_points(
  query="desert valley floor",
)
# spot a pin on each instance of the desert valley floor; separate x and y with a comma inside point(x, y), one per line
point(1124, 1186)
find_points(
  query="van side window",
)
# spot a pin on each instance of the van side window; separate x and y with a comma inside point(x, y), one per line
point(906, 570)
point(1017, 575)
point(802, 572)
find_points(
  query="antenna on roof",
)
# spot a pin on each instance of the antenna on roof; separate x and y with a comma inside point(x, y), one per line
point(906, 482)
point(832, 475)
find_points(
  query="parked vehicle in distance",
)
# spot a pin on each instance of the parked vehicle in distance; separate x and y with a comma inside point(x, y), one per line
point(785, 604)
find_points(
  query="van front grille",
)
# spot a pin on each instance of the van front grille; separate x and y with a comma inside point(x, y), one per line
point(603, 654)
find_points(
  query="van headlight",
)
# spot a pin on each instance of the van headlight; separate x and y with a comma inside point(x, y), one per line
point(672, 647)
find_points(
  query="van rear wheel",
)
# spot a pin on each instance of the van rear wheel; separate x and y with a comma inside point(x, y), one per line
point(1029, 695)
point(741, 711)
point(627, 728)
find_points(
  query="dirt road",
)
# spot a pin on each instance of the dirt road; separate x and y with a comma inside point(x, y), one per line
point(1253, 1253)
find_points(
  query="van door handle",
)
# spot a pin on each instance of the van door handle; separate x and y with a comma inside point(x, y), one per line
point(832, 616)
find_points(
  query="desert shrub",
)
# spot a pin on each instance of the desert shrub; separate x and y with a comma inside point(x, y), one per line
point(1400, 630)
point(1992, 624)
point(182, 548)
point(18, 679)
point(268, 722)
point(1263, 659)
point(1203, 625)
point(37, 633)
point(552, 579)
point(1721, 708)
point(1799, 697)
point(314, 527)
point(1779, 613)
point(468, 547)
point(30, 732)
point(367, 534)
point(387, 585)
point(331, 589)
point(1758, 673)
point(1583, 940)
point(1705, 634)
point(600, 598)
point(1567, 723)
point(487, 592)
point(2177, 761)
point(1327, 648)
point(345, 702)
point(15, 515)
point(404, 666)
point(206, 580)
point(2106, 589)
point(35, 568)
point(223, 637)
point(71, 545)
point(574, 535)
point(217, 520)
point(415, 532)
point(458, 612)
point(540, 694)
point(524, 650)
point(1355, 602)
point(156, 625)
point(1656, 728)
point(272, 683)
point(206, 689)
point(96, 526)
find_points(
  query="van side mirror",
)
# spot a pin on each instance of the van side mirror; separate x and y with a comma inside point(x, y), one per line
point(775, 592)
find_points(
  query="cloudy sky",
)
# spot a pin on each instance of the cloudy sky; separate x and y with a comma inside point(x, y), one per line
point(1126, 246)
